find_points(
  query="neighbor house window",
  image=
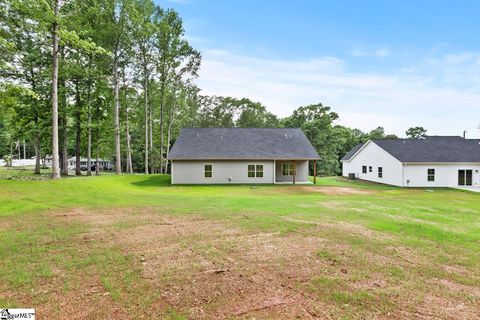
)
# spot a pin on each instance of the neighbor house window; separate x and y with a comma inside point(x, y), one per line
point(431, 175)
point(259, 172)
point(208, 171)
point(288, 169)
point(380, 172)
point(364, 169)
point(370, 169)
point(251, 171)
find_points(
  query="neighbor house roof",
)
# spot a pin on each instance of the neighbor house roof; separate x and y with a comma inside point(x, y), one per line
point(352, 152)
point(242, 143)
point(431, 149)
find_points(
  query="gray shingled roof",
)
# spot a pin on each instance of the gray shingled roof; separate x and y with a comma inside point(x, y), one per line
point(432, 149)
point(352, 152)
point(242, 143)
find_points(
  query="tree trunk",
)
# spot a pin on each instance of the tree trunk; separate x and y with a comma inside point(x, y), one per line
point(152, 155)
point(97, 166)
point(129, 151)
point(64, 135)
point(37, 146)
point(78, 128)
point(162, 104)
point(118, 159)
point(89, 133)
point(145, 94)
point(169, 131)
point(55, 164)
point(37, 129)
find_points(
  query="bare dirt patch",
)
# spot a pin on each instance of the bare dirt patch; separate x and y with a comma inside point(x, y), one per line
point(337, 191)
point(209, 269)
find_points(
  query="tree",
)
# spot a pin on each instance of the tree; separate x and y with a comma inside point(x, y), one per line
point(316, 121)
point(416, 132)
point(177, 59)
point(55, 154)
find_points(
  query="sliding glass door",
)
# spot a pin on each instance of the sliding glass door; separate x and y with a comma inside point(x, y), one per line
point(465, 177)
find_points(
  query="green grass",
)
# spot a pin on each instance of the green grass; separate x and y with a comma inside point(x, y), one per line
point(440, 228)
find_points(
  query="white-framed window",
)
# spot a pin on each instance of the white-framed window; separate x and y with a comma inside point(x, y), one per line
point(380, 172)
point(208, 169)
point(364, 169)
point(259, 171)
point(431, 175)
point(370, 169)
point(288, 169)
point(255, 171)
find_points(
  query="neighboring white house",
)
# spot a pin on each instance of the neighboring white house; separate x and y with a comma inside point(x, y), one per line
point(103, 164)
point(433, 161)
point(241, 155)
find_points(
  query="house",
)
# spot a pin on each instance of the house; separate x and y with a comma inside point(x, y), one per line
point(241, 155)
point(434, 161)
point(103, 164)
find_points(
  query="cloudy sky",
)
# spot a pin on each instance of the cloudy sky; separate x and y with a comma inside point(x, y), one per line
point(386, 63)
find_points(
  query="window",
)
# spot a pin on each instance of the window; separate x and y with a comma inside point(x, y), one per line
point(380, 172)
point(370, 169)
point(255, 171)
point(431, 175)
point(208, 171)
point(251, 171)
point(364, 169)
point(259, 173)
point(288, 169)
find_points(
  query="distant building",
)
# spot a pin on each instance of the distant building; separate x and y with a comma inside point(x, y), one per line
point(103, 164)
point(241, 155)
point(434, 161)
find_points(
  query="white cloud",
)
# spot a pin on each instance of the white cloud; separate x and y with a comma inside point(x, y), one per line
point(425, 95)
point(378, 53)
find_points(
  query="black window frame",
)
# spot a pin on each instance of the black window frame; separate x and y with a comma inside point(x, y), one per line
point(208, 173)
point(259, 171)
point(431, 175)
point(380, 172)
point(364, 169)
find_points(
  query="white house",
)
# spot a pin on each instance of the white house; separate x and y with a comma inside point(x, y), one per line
point(103, 164)
point(434, 161)
point(241, 155)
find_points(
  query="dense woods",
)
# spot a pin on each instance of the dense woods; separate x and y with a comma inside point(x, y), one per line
point(115, 79)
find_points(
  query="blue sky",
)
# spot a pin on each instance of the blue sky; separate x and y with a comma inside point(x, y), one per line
point(391, 63)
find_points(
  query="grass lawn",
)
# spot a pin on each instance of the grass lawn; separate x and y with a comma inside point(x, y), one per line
point(134, 246)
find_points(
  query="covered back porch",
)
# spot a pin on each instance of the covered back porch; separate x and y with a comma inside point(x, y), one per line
point(288, 171)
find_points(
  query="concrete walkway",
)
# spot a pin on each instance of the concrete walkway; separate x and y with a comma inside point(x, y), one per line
point(473, 189)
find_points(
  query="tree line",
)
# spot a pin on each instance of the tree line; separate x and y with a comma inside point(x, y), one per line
point(114, 79)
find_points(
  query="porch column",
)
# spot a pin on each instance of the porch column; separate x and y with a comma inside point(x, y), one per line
point(274, 171)
point(294, 171)
point(314, 171)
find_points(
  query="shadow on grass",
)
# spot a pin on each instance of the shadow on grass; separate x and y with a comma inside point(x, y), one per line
point(153, 180)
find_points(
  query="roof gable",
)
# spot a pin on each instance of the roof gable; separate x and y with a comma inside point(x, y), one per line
point(242, 143)
point(429, 149)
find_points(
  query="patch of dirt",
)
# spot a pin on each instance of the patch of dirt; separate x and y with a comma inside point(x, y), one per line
point(336, 191)
point(435, 307)
point(349, 228)
point(209, 269)
point(90, 300)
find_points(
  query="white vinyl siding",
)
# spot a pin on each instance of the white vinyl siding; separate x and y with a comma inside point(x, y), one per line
point(446, 174)
point(223, 172)
point(301, 167)
point(371, 155)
